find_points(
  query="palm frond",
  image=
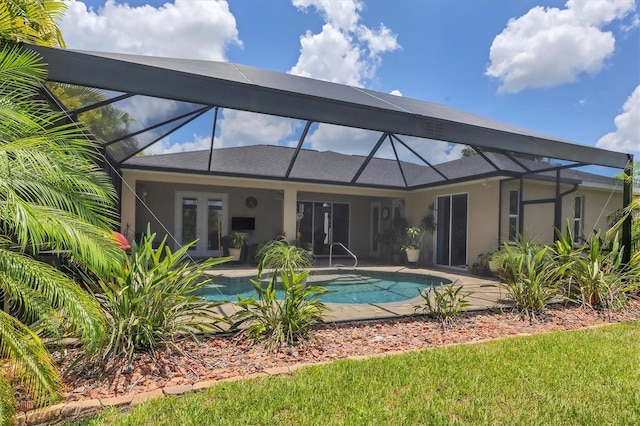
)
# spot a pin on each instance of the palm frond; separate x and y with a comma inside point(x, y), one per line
point(8, 401)
point(20, 67)
point(32, 21)
point(79, 308)
point(29, 360)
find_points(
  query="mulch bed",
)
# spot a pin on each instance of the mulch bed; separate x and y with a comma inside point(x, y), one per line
point(231, 356)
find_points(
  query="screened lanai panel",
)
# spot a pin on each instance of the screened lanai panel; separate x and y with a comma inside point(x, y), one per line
point(233, 129)
point(232, 85)
point(158, 140)
point(346, 140)
point(74, 97)
point(243, 128)
point(142, 112)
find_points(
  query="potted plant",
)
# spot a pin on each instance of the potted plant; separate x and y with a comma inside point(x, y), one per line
point(238, 239)
point(428, 221)
point(488, 263)
point(412, 246)
point(428, 225)
point(482, 266)
point(393, 239)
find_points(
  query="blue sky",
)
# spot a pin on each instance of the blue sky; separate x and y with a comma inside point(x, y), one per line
point(568, 69)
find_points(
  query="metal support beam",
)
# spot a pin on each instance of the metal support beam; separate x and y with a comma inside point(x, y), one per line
point(485, 157)
point(515, 160)
point(435, 169)
point(75, 112)
point(500, 191)
point(303, 136)
point(155, 126)
point(395, 152)
point(369, 157)
point(627, 197)
point(213, 136)
point(521, 207)
point(557, 207)
point(554, 168)
point(162, 136)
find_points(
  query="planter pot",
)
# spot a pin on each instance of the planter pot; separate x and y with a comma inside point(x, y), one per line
point(493, 266)
point(235, 253)
point(412, 255)
point(483, 271)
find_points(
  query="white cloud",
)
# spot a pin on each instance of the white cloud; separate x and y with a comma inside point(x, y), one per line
point(396, 92)
point(236, 128)
point(182, 29)
point(345, 51)
point(167, 146)
point(435, 152)
point(550, 46)
point(350, 141)
point(345, 140)
point(241, 128)
point(145, 111)
point(626, 138)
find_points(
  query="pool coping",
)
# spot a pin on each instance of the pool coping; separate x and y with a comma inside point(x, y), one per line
point(486, 293)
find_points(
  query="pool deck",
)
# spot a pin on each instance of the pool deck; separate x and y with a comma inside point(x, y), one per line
point(486, 293)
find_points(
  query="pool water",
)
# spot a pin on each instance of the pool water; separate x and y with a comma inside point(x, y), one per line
point(344, 288)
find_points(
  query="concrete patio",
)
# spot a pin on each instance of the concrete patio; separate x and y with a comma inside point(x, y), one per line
point(486, 293)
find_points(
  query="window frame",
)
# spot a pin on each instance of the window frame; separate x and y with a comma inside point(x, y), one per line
point(513, 216)
point(578, 221)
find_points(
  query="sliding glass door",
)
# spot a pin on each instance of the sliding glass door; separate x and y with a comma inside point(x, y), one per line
point(322, 223)
point(451, 230)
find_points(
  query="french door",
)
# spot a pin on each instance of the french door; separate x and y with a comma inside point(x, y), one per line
point(451, 230)
point(203, 217)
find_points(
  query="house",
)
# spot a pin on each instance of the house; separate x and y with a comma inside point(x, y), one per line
point(471, 217)
point(517, 182)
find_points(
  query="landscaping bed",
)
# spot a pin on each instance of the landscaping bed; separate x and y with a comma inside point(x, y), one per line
point(224, 357)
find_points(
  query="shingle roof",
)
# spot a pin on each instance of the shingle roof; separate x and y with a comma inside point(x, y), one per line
point(272, 162)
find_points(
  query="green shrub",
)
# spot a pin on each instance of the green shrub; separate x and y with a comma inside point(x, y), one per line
point(528, 274)
point(280, 254)
point(565, 253)
point(600, 280)
point(447, 303)
point(151, 301)
point(287, 321)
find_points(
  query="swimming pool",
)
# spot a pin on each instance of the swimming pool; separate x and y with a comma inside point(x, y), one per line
point(343, 287)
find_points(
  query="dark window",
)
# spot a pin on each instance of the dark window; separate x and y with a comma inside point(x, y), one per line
point(514, 214)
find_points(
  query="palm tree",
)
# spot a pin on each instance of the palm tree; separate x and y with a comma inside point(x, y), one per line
point(53, 198)
point(32, 21)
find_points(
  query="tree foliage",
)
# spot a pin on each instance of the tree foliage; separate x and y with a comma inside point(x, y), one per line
point(32, 21)
point(54, 199)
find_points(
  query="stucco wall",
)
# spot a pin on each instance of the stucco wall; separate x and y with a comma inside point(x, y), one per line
point(538, 218)
point(160, 200)
point(161, 189)
point(482, 214)
point(483, 206)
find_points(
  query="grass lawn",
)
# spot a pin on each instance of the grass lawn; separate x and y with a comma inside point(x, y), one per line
point(579, 377)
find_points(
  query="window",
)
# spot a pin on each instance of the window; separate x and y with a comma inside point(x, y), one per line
point(514, 215)
point(578, 215)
